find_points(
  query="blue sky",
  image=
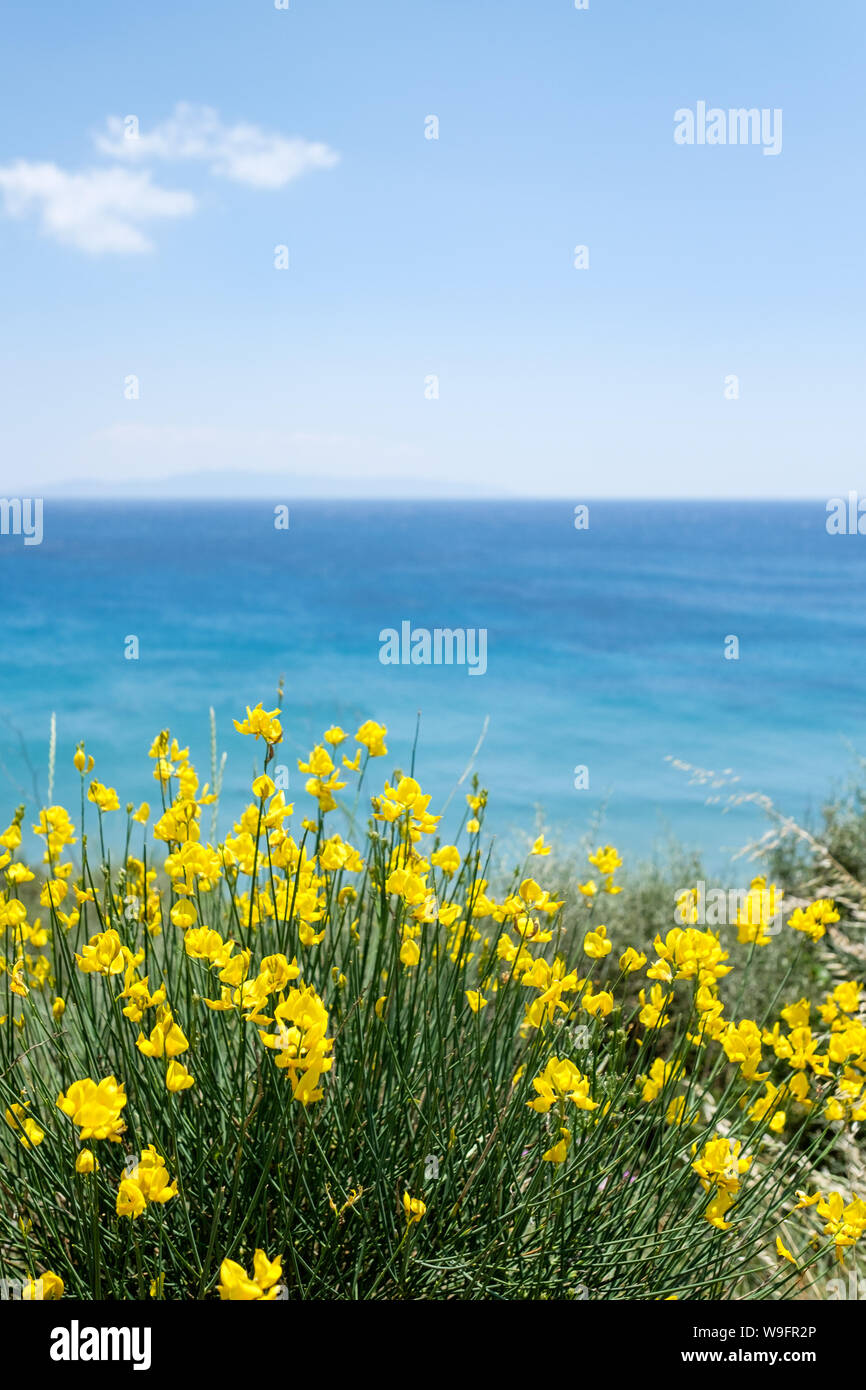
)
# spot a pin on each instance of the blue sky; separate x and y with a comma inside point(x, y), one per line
point(452, 257)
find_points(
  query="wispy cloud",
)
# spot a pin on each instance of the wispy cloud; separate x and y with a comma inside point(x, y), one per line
point(244, 153)
point(106, 210)
point(95, 210)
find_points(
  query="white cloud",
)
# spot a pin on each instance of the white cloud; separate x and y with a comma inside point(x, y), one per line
point(244, 153)
point(104, 210)
point(96, 210)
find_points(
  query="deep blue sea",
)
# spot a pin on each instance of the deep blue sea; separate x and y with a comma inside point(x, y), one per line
point(605, 648)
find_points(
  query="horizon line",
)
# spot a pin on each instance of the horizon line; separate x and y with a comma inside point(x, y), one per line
point(481, 499)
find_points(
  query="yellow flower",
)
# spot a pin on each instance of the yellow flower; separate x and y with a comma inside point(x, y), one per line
point(410, 953)
point(29, 1132)
point(104, 954)
point(12, 914)
point(769, 1103)
point(596, 944)
point(236, 1286)
point(676, 1113)
point(372, 736)
point(11, 837)
point(103, 797)
point(447, 859)
point(183, 914)
point(53, 892)
point(559, 1151)
point(606, 860)
point(598, 1005)
point(804, 1200)
point(54, 825)
point(95, 1108)
point(355, 1195)
point(16, 979)
point(236, 970)
point(561, 1081)
point(742, 1043)
point(86, 1162)
point(18, 873)
point(275, 972)
point(476, 1000)
point(660, 1073)
point(717, 1209)
point(414, 1208)
point(319, 763)
point(720, 1168)
point(847, 996)
point(49, 1286)
point(166, 1037)
point(147, 1182)
point(177, 1078)
point(652, 1013)
point(530, 891)
point(814, 919)
point(261, 723)
point(539, 847)
point(130, 1199)
point(303, 1050)
point(631, 960)
point(846, 1222)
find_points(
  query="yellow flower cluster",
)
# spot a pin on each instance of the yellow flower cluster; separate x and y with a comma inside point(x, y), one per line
point(147, 1181)
point(186, 952)
point(720, 1168)
point(303, 1051)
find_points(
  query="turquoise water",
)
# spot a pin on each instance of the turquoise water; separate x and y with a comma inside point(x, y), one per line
point(604, 649)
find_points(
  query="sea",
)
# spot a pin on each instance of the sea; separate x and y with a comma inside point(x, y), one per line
point(624, 647)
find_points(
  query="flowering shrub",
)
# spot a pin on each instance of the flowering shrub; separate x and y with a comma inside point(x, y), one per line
point(356, 1068)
